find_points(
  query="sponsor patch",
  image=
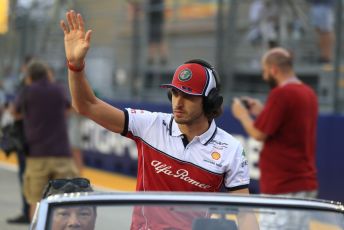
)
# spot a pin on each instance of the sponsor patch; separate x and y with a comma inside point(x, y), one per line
point(216, 155)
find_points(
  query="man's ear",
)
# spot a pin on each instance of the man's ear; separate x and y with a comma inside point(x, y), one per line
point(274, 70)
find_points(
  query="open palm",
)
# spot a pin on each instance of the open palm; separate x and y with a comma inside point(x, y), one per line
point(77, 41)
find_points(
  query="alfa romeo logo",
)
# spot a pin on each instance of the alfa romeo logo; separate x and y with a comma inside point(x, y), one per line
point(185, 75)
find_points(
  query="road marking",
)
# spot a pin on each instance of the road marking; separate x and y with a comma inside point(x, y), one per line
point(100, 179)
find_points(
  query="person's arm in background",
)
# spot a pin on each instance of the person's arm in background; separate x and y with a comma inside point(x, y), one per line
point(237, 181)
point(246, 220)
point(77, 43)
point(243, 115)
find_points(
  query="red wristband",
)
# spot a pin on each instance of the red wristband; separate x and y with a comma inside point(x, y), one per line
point(74, 68)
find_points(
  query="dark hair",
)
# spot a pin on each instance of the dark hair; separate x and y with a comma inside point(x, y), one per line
point(212, 104)
point(37, 70)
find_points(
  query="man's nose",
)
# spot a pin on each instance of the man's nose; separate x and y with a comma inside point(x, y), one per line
point(73, 221)
point(179, 99)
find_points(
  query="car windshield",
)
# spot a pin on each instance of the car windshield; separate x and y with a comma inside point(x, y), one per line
point(188, 216)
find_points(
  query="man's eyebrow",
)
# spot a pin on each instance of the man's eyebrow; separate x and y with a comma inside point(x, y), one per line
point(85, 208)
point(61, 210)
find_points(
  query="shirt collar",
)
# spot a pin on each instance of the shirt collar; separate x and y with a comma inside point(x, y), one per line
point(291, 80)
point(204, 138)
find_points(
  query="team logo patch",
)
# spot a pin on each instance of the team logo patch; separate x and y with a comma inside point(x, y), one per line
point(185, 75)
point(216, 155)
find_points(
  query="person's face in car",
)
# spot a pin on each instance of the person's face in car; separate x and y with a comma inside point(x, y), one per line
point(83, 217)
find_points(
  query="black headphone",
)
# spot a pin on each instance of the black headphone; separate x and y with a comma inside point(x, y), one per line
point(213, 102)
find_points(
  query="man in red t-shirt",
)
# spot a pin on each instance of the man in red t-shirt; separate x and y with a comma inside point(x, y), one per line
point(286, 125)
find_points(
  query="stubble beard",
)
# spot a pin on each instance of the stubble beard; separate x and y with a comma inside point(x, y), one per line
point(272, 83)
point(189, 119)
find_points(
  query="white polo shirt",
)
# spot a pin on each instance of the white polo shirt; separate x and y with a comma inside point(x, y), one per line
point(167, 163)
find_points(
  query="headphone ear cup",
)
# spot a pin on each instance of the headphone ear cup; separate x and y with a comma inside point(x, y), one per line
point(218, 101)
point(213, 101)
point(169, 95)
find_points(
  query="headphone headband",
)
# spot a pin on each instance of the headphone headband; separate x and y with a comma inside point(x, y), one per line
point(208, 66)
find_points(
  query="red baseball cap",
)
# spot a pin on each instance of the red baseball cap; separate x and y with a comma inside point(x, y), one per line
point(193, 79)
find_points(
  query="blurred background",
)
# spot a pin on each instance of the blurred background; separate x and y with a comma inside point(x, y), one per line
point(125, 67)
point(230, 34)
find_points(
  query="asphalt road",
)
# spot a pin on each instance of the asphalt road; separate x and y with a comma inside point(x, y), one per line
point(10, 205)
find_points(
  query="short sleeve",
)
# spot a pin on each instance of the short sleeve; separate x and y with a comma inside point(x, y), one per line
point(138, 121)
point(237, 176)
point(273, 114)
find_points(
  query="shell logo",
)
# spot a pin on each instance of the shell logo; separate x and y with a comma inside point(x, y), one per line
point(216, 155)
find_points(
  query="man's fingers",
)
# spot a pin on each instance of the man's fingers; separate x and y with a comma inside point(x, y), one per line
point(69, 20)
point(250, 100)
point(81, 22)
point(74, 21)
point(64, 27)
point(236, 100)
point(246, 98)
point(88, 36)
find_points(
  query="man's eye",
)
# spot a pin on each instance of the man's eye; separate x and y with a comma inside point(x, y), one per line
point(84, 214)
point(63, 214)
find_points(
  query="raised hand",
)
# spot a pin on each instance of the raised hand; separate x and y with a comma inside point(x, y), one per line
point(77, 41)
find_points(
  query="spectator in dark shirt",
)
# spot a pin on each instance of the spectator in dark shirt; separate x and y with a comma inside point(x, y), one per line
point(43, 105)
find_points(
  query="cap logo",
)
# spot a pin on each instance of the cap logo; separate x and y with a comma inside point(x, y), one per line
point(185, 75)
